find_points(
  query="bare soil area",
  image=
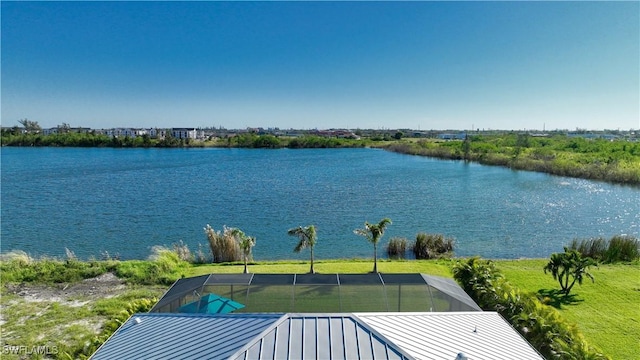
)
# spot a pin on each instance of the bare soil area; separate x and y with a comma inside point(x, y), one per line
point(100, 287)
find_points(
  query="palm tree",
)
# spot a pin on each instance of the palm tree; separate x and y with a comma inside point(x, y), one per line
point(307, 236)
point(373, 233)
point(569, 266)
point(245, 243)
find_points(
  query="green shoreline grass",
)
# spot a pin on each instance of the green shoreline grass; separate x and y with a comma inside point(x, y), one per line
point(606, 312)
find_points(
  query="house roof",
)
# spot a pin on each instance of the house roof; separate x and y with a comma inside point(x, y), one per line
point(479, 335)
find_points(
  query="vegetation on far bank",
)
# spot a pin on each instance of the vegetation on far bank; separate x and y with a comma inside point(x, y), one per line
point(242, 140)
point(595, 159)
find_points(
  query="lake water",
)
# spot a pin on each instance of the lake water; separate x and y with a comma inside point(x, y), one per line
point(123, 201)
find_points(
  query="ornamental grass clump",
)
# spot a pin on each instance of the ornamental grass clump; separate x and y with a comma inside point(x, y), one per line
point(166, 259)
point(17, 256)
point(163, 266)
point(432, 246)
point(618, 248)
point(397, 248)
point(182, 250)
point(593, 248)
point(622, 248)
point(224, 247)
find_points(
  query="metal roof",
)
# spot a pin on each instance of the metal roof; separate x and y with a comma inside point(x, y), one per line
point(479, 335)
point(183, 336)
point(320, 336)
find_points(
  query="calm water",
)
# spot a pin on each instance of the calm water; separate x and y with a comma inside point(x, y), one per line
point(124, 201)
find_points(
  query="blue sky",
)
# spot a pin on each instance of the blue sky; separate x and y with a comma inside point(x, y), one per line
point(420, 65)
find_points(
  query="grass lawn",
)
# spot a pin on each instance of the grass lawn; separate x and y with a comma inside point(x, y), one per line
point(355, 266)
point(607, 311)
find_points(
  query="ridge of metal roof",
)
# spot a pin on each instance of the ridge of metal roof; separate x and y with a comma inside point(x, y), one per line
point(320, 336)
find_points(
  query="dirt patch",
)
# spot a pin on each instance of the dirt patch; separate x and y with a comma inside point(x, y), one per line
point(77, 294)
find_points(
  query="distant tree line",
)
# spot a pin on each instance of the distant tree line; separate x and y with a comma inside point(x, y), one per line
point(15, 137)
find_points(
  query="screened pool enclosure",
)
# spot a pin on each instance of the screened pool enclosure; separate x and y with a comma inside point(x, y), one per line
point(322, 293)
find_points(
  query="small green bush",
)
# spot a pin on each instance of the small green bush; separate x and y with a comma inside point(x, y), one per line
point(397, 248)
point(166, 259)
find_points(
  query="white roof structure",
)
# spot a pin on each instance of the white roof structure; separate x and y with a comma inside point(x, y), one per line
point(402, 335)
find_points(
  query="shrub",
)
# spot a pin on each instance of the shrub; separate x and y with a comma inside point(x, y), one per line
point(183, 252)
point(622, 248)
point(164, 266)
point(593, 248)
point(397, 248)
point(166, 259)
point(432, 246)
point(48, 271)
point(200, 256)
point(224, 247)
point(17, 256)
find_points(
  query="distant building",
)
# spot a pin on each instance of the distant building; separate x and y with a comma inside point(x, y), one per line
point(58, 129)
point(591, 136)
point(449, 136)
point(184, 133)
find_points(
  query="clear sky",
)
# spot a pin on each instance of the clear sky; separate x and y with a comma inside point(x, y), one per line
point(420, 65)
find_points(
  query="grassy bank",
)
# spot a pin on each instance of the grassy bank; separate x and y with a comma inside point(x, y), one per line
point(40, 310)
point(598, 159)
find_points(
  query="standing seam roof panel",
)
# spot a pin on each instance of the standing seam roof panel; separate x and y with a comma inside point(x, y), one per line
point(322, 336)
point(444, 335)
point(182, 336)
